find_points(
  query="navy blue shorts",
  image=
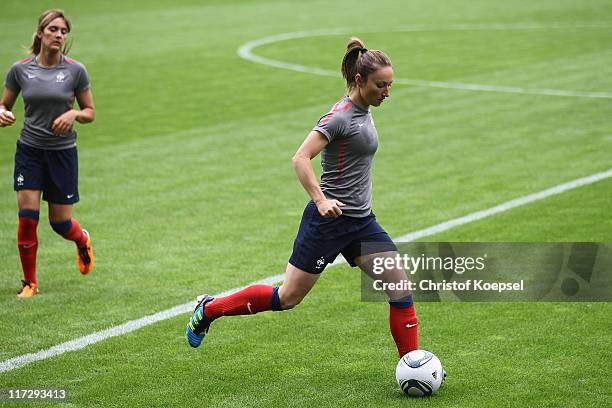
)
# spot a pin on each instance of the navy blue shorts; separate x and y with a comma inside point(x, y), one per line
point(320, 239)
point(54, 172)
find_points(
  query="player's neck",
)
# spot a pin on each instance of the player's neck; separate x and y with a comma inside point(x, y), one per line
point(48, 59)
point(355, 96)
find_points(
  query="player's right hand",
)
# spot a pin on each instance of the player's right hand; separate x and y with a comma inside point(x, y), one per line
point(6, 118)
point(330, 208)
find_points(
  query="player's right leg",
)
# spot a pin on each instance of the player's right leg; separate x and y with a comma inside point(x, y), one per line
point(250, 300)
point(28, 177)
point(28, 202)
point(313, 249)
point(311, 253)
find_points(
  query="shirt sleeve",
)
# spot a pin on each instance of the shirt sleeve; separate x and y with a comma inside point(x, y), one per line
point(12, 79)
point(331, 125)
point(83, 82)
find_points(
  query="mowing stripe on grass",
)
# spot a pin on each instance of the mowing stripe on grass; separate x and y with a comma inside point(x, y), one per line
point(478, 215)
point(132, 325)
point(246, 51)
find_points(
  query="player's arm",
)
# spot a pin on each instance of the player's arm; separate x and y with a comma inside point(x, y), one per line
point(86, 114)
point(6, 104)
point(312, 146)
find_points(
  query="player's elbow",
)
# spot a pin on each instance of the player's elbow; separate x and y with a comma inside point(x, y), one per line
point(298, 159)
point(295, 160)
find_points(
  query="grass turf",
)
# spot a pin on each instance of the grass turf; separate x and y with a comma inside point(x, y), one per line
point(187, 186)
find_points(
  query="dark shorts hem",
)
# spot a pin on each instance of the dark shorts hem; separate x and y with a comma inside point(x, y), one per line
point(56, 200)
point(320, 240)
point(54, 172)
point(303, 268)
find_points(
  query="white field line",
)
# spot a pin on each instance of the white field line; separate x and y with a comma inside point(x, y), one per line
point(517, 202)
point(119, 330)
point(132, 325)
point(246, 52)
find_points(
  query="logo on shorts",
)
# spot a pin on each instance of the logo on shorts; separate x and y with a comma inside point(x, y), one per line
point(20, 180)
point(60, 77)
point(69, 196)
point(320, 262)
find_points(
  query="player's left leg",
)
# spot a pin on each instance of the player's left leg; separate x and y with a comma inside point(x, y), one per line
point(62, 192)
point(372, 241)
point(60, 218)
point(402, 315)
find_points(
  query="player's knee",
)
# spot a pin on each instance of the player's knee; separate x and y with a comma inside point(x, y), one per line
point(61, 227)
point(400, 295)
point(290, 300)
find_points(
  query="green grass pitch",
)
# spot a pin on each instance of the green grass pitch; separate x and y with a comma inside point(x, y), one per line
point(187, 187)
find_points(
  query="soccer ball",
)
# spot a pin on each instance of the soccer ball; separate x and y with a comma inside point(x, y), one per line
point(419, 373)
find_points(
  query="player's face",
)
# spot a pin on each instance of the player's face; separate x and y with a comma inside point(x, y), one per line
point(378, 86)
point(53, 37)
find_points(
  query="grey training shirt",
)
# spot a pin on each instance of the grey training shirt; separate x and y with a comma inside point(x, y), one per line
point(47, 94)
point(347, 158)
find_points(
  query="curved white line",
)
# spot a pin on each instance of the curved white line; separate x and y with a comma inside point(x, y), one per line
point(246, 51)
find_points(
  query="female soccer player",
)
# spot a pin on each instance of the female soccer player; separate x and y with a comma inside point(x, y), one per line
point(339, 217)
point(46, 157)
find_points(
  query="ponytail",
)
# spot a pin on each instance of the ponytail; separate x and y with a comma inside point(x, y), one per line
point(359, 60)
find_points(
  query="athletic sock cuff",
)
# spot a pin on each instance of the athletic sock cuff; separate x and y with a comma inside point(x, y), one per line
point(61, 227)
point(402, 303)
point(32, 214)
point(276, 305)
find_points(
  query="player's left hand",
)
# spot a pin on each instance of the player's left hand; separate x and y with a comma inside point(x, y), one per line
point(63, 124)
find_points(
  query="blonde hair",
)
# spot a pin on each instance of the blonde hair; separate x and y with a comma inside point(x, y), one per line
point(359, 60)
point(43, 21)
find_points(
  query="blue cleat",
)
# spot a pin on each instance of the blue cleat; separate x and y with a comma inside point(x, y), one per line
point(198, 324)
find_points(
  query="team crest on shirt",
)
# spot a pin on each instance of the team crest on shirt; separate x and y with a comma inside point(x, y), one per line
point(60, 77)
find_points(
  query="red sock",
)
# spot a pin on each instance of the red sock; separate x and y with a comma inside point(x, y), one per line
point(251, 300)
point(27, 242)
point(75, 233)
point(404, 328)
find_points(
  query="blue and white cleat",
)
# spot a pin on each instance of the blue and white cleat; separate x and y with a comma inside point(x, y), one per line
point(198, 324)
